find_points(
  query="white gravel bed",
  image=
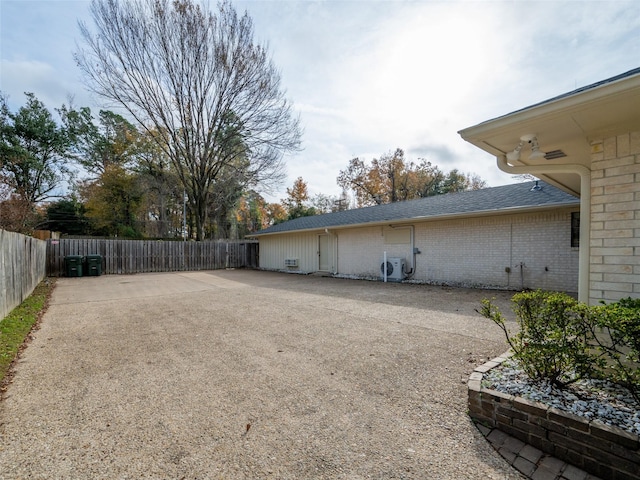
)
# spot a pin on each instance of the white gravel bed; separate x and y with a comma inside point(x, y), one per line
point(589, 398)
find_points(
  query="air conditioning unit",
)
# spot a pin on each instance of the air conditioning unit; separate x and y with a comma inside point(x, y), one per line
point(291, 262)
point(395, 269)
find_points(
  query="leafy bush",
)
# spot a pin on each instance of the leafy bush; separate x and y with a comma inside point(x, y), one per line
point(617, 335)
point(553, 342)
point(561, 340)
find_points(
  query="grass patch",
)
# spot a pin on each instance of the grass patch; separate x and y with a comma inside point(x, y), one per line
point(15, 327)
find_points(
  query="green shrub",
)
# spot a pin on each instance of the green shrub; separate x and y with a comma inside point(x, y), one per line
point(561, 340)
point(554, 339)
point(617, 335)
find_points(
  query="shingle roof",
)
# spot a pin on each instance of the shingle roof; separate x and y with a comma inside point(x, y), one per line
point(470, 203)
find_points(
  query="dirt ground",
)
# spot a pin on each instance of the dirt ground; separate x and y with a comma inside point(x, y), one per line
point(250, 375)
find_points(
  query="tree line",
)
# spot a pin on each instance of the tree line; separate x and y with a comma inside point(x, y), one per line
point(198, 136)
point(86, 175)
point(100, 175)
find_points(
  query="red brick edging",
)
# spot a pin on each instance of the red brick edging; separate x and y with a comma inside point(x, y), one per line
point(608, 452)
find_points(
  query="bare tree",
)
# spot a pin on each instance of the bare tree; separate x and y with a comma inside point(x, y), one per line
point(199, 80)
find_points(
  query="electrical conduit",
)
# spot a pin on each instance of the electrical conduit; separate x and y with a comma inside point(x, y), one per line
point(585, 211)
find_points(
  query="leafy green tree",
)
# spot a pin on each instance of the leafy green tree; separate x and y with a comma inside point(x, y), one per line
point(224, 196)
point(67, 216)
point(198, 79)
point(456, 181)
point(113, 203)
point(34, 152)
point(111, 144)
point(113, 141)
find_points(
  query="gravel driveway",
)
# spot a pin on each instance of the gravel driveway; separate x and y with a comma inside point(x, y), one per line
point(248, 374)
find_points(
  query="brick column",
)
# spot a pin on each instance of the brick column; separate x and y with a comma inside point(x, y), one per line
point(615, 218)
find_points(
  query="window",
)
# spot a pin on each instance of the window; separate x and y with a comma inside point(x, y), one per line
point(575, 229)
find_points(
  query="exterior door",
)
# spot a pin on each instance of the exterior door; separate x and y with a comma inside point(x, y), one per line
point(323, 253)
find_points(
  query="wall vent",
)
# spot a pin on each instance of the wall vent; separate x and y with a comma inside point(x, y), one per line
point(291, 262)
point(553, 154)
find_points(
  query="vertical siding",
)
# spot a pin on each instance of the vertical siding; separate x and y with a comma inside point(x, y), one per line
point(274, 249)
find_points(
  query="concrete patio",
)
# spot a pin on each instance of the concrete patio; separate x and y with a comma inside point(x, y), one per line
point(249, 374)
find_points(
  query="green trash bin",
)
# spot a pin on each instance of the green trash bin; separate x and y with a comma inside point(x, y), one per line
point(73, 265)
point(93, 265)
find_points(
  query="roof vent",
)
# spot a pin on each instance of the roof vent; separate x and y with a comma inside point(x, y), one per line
point(536, 187)
point(553, 154)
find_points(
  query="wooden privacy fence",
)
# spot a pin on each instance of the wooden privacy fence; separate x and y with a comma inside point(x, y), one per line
point(142, 256)
point(22, 267)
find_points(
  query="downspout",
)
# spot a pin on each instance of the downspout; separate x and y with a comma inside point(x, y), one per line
point(585, 212)
point(413, 253)
point(411, 272)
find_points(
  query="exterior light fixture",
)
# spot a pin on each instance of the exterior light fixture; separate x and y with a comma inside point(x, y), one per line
point(515, 155)
point(536, 153)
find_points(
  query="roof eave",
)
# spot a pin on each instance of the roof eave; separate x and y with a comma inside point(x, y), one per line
point(578, 99)
point(449, 216)
point(573, 124)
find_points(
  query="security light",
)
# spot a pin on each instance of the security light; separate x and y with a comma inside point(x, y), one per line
point(531, 139)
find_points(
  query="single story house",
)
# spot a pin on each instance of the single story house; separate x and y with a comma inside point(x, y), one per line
point(586, 143)
point(513, 236)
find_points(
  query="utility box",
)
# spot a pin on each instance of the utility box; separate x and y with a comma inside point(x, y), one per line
point(93, 265)
point(73, 265)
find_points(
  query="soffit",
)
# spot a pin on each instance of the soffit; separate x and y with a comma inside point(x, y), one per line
point(570, 123)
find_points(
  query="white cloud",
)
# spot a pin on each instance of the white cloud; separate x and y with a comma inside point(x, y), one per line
point(37, 40)
point(417, 73)
point(371, 76)
point(36, 77)
point(405, 79)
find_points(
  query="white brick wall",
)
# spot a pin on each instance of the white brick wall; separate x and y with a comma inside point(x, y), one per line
point(361, 250)
point(475, 251)
point(615, 218)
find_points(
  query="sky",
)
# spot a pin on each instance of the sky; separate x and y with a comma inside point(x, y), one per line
point(369, 76)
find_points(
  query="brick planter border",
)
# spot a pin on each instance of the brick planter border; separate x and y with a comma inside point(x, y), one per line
point(608, 452)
